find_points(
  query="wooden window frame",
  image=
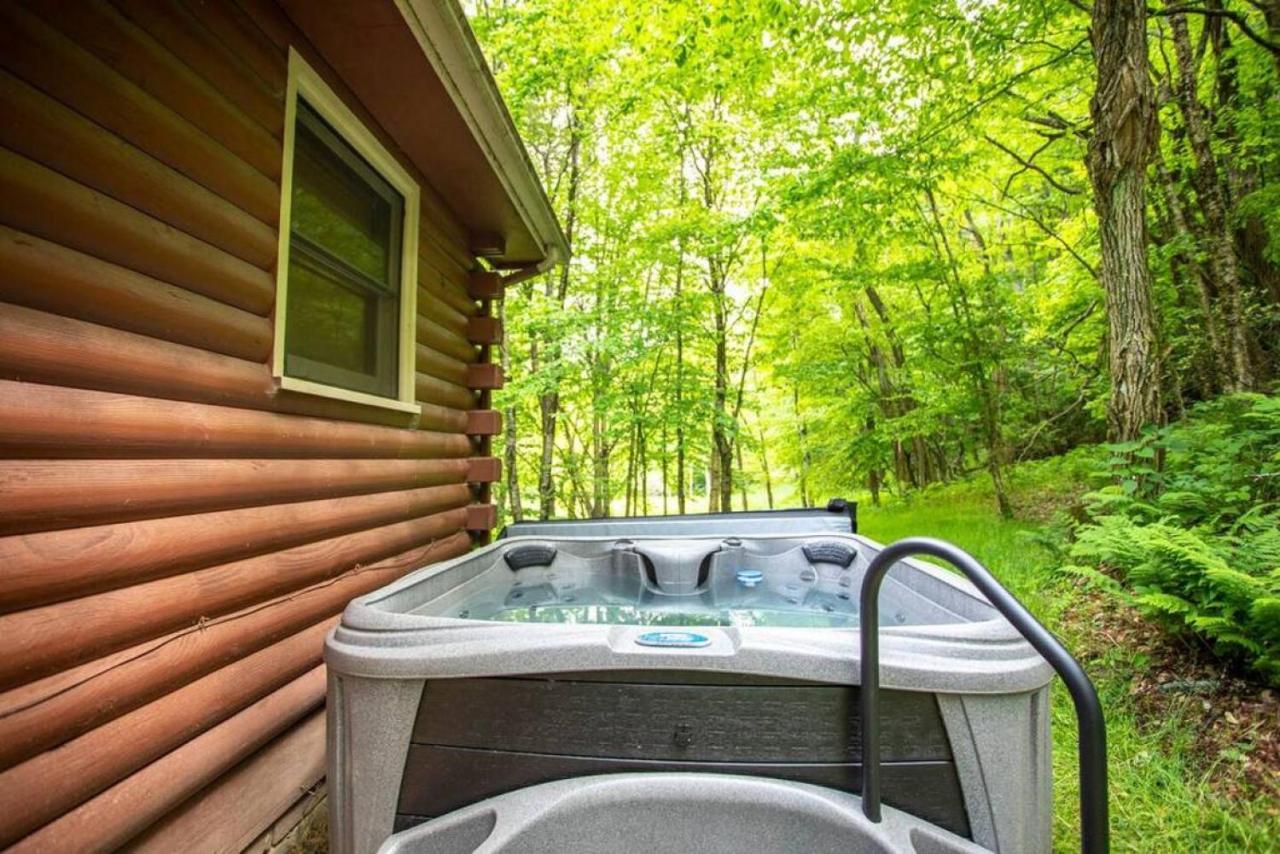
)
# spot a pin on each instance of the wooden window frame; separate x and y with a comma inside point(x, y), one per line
point(306, 83)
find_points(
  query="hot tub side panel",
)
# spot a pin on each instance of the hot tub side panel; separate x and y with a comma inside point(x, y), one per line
point(478, 737)
point(1002, 753)
point(367, 746)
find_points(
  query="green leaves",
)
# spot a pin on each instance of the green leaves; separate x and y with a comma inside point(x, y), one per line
point(1202, 551)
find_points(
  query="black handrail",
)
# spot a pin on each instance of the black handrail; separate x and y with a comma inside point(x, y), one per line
point(1091, 728)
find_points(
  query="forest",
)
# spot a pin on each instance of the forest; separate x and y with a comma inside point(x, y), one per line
point(1002, 270)
point(827, 248)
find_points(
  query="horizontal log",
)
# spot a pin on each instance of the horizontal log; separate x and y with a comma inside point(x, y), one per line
point(160, 666)
point(242, 36)
point(484, 422)
point(48, 422)
point(484, 330)
point(58, 780)
point(441, 366)
point(484, 285)
point(52, 278)
point(47, 348)
point(246, 802)
point(434, 390)
point(175, 28)
point(445, 341)
point(53, 637)
point(47, 494)
point(30, 48)
point(15, 699)
point(484, 470)
point(52, 566)
point(481, 517)
point(42, 202)
point(443, 418)
point(440, 313)
point(449, 292)
point(442, 241)
point(117, 815)
point(45, 131)
point(132, 53)
point(59, 350)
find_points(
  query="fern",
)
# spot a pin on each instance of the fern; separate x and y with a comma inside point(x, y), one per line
point(1165, 603)
point(1197, 538)
point(1094, 578)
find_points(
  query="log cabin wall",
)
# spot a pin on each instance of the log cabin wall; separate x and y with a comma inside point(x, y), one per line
point(177, 535)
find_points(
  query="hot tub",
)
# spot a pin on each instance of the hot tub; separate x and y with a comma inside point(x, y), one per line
point(556, 657)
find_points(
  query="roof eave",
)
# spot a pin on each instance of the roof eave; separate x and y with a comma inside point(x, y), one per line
point(441, 29)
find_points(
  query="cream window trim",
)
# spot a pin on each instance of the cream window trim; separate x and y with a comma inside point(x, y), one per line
point(305, 82)
point(320, 389)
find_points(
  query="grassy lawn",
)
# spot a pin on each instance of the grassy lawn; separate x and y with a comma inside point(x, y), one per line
point(1164, 795)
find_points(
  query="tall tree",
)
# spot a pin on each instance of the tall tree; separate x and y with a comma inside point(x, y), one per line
point(1221, 249)
point(1124, 128)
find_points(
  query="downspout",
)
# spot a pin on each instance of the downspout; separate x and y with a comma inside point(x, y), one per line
point(526, 273)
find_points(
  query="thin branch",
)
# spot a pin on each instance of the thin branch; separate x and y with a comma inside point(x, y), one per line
point(1232, 16)
point(1029, 163)
point(1028, 213)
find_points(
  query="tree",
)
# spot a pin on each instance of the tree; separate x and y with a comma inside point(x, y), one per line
point(975, 271)
point(1124, 127)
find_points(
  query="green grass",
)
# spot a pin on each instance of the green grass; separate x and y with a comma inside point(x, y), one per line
point(1160, 799)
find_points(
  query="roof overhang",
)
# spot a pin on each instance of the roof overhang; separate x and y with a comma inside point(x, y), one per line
point(416, 67)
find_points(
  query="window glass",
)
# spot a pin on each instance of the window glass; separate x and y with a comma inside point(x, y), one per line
point(344, 265)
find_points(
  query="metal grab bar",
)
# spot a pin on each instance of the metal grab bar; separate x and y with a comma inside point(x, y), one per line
point(1091, 728)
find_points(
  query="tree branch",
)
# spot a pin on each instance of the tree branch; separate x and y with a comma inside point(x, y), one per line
point(1029, 163)
point(1234, 17)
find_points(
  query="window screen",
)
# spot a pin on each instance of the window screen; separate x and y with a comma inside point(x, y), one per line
point(343, 304)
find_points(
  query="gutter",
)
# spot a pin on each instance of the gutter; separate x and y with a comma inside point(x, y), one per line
point(525, 273)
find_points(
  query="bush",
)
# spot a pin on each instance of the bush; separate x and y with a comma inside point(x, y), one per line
point(1189, 522)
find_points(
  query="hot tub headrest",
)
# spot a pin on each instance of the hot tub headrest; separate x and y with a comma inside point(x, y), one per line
point(677, 567)
point(830, 551)
point(534, 554)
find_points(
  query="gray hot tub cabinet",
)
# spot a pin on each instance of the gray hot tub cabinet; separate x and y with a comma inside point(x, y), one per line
point(449, 724)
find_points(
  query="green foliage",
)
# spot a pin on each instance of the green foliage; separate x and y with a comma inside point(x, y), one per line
point(872, 218)
point(1161, 796)
point(1191, 522)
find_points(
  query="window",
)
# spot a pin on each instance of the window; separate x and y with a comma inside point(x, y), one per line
point(348, 249)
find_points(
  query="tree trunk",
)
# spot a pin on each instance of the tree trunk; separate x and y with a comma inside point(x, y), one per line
point(1123, 111)
point(1220, 247)
point(514, 503)
point(666, 466)
point(721, 488)
point(681, 474)
point(875, 477)
point(549, 408)
point(628, 500)
point(1271, 11)
point(982, 361)
point(1183, 267)
point(802, 439)
point(599, 465)
point(910, 467)
point(642, 471)
point(549, 402)
point(764, 467)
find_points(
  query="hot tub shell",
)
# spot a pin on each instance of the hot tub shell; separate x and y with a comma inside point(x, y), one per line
point(394, 650)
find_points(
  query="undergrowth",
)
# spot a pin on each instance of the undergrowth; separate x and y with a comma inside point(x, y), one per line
point(1186, 526)
point(1168, 791)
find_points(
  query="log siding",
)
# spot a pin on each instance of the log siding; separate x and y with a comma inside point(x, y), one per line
point(178, 532)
